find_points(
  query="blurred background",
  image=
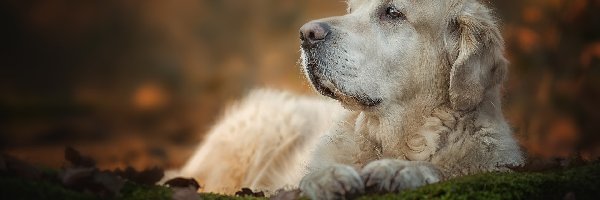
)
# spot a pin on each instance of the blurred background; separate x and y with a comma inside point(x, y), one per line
point(138, 82)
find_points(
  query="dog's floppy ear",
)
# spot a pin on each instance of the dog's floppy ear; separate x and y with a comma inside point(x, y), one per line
point(477, 50)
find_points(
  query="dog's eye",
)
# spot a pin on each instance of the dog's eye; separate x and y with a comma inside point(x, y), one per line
point(393, 13)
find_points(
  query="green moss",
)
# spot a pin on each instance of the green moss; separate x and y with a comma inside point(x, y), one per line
point(133, 191)
point(582, 182)
point(14, 188)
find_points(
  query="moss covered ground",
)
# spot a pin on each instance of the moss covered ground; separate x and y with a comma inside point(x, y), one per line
point(575, 183)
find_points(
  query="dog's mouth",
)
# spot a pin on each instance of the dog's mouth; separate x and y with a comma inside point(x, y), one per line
point(329, 88)
point(318, 82)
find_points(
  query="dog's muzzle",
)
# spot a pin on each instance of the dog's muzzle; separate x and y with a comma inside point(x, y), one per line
point(314, 36)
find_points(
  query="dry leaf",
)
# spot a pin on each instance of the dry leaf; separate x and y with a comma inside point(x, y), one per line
point(249, 192)
point(76, 159)
point(183, 183)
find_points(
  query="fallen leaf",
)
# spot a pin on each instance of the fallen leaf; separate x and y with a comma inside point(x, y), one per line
point(83, 175)
point(249, 192)
point(111, 184)
point(76, 159)
point(75, 176)
point(183, 183)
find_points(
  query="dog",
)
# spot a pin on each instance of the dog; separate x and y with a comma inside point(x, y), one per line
point(417, 97)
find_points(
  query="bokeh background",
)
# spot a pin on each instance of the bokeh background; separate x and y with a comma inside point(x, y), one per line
point(139, 82)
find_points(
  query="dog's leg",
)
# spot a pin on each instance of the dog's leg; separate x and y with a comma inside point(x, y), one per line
point(390, 175)
point(333, 182)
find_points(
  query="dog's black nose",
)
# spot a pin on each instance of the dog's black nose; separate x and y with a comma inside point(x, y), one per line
point(313, 32)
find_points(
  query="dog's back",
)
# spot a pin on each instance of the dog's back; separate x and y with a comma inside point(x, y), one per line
point(264, 140)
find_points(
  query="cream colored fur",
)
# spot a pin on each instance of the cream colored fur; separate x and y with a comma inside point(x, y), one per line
point(423, 104)
point(260, 140)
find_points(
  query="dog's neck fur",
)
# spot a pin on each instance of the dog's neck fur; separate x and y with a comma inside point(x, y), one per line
point(388, 128)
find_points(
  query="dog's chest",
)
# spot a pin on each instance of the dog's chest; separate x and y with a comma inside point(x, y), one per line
point(385, 139)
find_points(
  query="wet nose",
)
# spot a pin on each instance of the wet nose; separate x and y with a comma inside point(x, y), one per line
point(313, 32)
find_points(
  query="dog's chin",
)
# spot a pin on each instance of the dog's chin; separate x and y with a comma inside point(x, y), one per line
point(350, 100)
point(330, 88)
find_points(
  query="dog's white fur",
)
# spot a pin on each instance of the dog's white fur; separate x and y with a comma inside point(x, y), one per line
point(260, 140)
point(423, 100)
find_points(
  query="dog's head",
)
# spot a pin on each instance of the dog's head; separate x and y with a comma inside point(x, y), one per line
point(386, 52)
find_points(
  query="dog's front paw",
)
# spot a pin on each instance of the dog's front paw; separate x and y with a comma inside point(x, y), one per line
point(396, 175)
point(334, 182)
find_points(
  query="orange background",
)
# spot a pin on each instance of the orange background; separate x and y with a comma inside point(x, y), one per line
point(138, 82)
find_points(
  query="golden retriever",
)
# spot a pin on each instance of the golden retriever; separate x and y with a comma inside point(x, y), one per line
point(417, 89)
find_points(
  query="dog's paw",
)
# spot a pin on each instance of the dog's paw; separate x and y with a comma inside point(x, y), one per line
point(396, 175)
point(334, 182)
